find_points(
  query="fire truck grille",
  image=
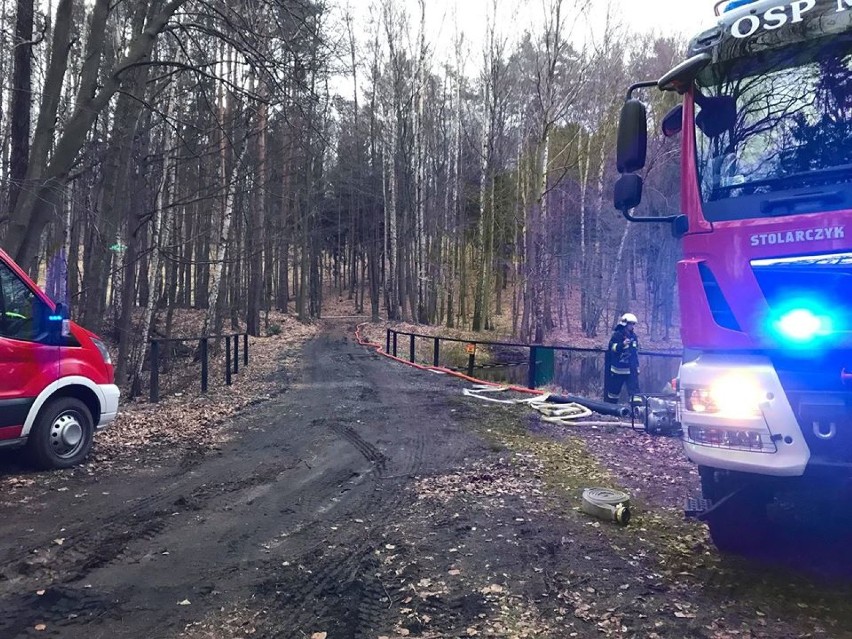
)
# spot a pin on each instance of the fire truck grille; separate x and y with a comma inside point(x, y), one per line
point(820, 393)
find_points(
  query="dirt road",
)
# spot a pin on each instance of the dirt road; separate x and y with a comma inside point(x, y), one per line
point(367, 500)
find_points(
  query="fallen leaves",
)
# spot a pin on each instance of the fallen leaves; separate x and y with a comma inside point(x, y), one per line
point(192, 417)
point(481, 479)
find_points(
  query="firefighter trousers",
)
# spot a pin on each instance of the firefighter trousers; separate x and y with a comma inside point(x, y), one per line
point(616, 381)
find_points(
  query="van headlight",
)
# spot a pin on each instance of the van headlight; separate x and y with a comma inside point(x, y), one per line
point(731, 396)
point(103, 350)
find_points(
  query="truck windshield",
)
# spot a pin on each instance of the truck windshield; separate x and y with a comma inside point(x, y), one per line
point(781, 122)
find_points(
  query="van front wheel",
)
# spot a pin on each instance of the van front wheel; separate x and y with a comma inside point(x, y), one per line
point(62, 434)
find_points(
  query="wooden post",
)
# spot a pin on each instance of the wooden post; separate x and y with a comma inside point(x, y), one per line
point(204, 374)
point(227, 360)
point(236, 353)
point(155, 372)
point(532, 371)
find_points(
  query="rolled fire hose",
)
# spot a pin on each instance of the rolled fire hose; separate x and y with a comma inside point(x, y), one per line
point(607, 504)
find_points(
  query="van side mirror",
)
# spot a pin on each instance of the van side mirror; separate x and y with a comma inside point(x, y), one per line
point(632, 148)
point(58, 321)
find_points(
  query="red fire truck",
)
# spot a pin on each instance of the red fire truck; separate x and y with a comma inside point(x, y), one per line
point(56, 378)
point(765, 283)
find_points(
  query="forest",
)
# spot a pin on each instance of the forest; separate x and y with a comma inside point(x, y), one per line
point(244, 156)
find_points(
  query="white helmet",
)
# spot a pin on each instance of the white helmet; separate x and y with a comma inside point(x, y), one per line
point(628, 318)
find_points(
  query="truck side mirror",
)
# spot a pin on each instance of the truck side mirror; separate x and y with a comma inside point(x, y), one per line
point(680, 78)
point(673, 121)
point(718, 114)
point(58, 321)
point(632, 146)
point(628, 192)
point(680, 226)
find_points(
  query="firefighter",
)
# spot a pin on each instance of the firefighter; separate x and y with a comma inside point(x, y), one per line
point(622, 360)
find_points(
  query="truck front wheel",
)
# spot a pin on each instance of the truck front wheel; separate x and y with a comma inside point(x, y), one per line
point(62, 434)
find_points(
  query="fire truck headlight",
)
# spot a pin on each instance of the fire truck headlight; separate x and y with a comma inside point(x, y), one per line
point(737, 396)
point(732, 396)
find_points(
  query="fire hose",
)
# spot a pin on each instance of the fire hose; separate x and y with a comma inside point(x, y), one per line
point(607, 504)
point(617, 410)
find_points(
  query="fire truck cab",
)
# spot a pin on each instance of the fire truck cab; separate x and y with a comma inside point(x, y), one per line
point(56, 378)
point(765, 283)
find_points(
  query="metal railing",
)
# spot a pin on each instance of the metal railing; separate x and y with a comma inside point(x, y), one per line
point(392, 346)
point(232, 364)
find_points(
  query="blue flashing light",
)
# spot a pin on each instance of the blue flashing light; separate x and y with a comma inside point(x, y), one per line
point(55, 318)
point(737, 3)
point(802, 323)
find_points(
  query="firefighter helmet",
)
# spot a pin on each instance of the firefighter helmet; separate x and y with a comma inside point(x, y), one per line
point(628, 318)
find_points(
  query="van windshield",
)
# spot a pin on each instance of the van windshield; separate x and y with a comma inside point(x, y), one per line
point(778, 122)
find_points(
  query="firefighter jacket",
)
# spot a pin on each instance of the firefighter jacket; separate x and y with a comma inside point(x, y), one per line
point(623, 352)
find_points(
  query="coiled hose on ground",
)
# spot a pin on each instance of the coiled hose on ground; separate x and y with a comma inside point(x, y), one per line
point(607, 504)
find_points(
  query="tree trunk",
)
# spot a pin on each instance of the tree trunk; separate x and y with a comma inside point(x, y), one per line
point(21, 99)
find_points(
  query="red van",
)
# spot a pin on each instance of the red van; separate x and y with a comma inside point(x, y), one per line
point(56, 378)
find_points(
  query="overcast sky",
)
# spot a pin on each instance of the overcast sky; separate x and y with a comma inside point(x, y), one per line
point(664, 16)
point(684, 17)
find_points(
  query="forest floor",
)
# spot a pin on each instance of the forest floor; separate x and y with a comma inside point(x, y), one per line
point(354, 497)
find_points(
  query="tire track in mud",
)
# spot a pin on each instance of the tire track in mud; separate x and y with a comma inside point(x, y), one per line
point(390, 424)
point(93, 544)
point(313, 600)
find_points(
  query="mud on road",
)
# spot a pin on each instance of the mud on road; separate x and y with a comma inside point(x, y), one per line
point(368, 500)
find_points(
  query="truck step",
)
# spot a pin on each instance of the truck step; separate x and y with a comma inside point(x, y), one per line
point(694, 506)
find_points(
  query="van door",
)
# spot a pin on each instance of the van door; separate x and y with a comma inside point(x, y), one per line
point(28, 361)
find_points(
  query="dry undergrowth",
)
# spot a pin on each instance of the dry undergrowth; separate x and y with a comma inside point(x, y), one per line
point(190, 417)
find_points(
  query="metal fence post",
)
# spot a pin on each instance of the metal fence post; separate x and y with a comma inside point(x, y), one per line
point(227, 360)
point(394, 343)
point(436, 353)
point(203, 347)
point(245, 349)
point(155, 372)
point(387, 342)
point(531, 373)
point(411, 349)
point(236, 353)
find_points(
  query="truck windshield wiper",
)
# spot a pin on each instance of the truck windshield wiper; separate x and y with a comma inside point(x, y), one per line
point(804, 176)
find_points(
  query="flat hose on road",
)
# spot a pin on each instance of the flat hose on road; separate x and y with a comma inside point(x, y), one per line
point(607, 504)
